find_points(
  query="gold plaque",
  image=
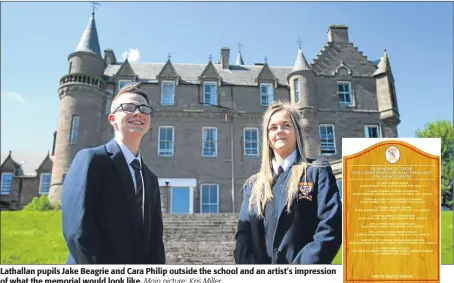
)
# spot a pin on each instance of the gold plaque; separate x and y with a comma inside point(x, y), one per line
point(391, 215)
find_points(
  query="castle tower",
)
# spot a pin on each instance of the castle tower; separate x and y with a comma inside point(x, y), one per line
point(81, 106)
point(301, 82)
point(386, 97)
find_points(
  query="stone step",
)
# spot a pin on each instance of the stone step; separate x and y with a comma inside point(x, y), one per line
point(224, 256)
point(195, 228)
point(205, 261)
point(200, 217)
point(201, 246)
point(200, 238)
point(200, 220)
point(199, 224)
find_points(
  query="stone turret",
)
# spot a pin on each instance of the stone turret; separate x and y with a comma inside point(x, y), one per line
point(81, 103)
point(386, 97)
point(301, 82)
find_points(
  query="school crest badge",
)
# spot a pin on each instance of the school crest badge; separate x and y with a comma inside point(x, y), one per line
point(305, 189)
point(392, 154)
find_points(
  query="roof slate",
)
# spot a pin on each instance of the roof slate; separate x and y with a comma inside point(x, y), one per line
point(28, 160)
point(89, 41)
point(236, 75)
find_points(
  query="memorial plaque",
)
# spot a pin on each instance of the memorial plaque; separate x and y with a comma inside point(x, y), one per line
point(391, 215)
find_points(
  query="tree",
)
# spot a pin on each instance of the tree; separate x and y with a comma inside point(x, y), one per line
point(443, 130)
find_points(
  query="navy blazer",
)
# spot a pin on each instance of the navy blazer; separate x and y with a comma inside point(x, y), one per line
point(310, 234)
point(98, 215)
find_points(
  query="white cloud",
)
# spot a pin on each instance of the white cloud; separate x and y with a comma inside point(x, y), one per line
point(13, 96)
point(132, 54)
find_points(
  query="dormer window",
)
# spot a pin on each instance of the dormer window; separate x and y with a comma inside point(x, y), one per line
point(44, 185)
point(6, 182)
point(344, 91)
point(168, 93)
point(122, 83)
point(266, 94)
point(209, 93)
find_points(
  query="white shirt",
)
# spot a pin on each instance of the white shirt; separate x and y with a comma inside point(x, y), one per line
point(129, 156)
point(285, 164)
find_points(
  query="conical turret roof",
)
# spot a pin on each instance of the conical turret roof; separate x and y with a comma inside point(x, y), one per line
point(239, 59)
point(383, 66)
point(300, 62)
point(89, 41)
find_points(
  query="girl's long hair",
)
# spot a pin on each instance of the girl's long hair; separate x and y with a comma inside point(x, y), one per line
point(261, 183)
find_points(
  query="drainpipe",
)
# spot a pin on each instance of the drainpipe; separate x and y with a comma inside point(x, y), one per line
point(232, 155)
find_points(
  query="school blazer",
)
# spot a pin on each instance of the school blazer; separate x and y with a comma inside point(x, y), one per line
point(310, 234)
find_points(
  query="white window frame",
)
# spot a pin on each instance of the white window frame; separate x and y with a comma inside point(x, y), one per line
point(201, 197)
point(269, 97)
point(121, 81)
point(10, 185)
point(350, 93)
point(297, 90)
point(244, 141)
point(159, 141)
point(214, 96)
point(334, 139)
point(74, 134)
point(366, 130)
point(41, 183)
point(215, 141)
point(171, 99)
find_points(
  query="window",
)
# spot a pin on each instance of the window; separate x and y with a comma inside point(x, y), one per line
point(296, 87)
point(209, 142)
point(109, 101)
point(7, 180)
point(266, 94)
point(165, 147)
point(122, 83)
point(167, 93)
point(251, 142)
point(344, 91)
point(327, 139)
point(70, 67)
point(209, 202)
point(209, 93)
point(339, 185)
point(371, 131)
point(44, 185)
point(74, 130)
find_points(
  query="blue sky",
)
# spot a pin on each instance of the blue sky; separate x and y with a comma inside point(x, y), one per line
point(36, 39)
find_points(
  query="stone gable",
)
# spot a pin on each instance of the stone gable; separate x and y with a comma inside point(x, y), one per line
point(125, 70)
point(332, 56)
point(168, 71)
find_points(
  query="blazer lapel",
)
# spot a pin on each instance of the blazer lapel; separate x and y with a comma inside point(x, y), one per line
point(123, 171)
point(149, 188)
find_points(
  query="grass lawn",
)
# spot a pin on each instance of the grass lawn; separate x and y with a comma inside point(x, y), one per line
point(29, 237)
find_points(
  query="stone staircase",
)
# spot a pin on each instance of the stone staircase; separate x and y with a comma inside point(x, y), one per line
point(200, 238)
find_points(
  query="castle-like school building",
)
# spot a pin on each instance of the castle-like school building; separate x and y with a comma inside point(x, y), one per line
point(204, 140)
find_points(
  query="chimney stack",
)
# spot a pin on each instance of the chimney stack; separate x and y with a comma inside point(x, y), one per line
point(109, 56)
point(225, 57)
point(338, 33)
